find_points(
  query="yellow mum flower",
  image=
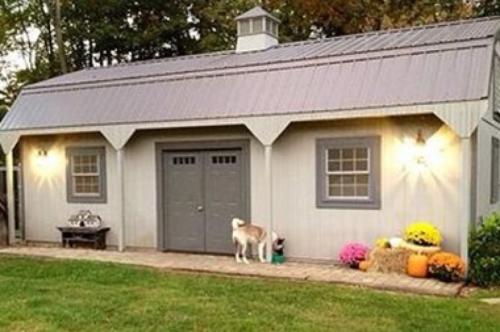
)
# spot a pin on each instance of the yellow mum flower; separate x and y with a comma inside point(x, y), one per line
point(423, 233)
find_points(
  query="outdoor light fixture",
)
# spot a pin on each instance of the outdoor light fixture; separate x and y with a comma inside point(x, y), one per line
point(42, 158)
point(47, 162)
point(420, 149)
point(418, 154)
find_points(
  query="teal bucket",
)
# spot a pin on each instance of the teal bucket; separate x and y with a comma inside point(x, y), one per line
point(278, 259)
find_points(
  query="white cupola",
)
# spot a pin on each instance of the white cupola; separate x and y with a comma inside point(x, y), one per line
point(257, 30)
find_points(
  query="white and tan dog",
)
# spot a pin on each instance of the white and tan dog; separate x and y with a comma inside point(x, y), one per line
point(245, 234)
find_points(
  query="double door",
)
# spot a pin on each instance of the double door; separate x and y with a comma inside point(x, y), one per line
point(203, 191)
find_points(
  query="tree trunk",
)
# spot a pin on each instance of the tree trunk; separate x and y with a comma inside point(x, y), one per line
point(60, 42)
point(47, 36)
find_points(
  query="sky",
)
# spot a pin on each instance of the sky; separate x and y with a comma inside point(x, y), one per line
point(13, 61)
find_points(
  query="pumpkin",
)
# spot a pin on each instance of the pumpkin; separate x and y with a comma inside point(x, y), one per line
point(417, 265)
point(364, 265)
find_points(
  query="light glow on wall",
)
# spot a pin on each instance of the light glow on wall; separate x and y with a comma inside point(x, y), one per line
point(46, 162)
point(418, 154)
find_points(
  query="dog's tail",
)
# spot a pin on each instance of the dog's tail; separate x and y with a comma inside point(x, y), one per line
point(237, 223)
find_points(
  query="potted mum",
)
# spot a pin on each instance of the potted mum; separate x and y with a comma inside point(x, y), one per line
point(447, 267)
point(353, 253)
point(423, 234)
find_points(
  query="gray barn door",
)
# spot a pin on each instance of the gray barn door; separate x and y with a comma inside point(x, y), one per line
point(203, 190)
point(223, 198)
point(185, 230)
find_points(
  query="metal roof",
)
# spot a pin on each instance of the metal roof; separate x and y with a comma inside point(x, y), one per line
point(431, 64)
point(255, 12)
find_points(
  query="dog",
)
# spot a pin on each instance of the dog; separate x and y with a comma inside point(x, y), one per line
point(245, 234)
point(278, 245)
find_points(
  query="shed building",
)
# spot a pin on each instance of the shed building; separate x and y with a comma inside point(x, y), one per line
point(326, 141)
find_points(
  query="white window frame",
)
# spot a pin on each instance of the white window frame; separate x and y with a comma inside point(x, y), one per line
point(342, 173)
point(76, 197)
point(323, 198)
point(75, 175)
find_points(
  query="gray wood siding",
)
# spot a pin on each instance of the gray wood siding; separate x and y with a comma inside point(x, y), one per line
point(311, 232)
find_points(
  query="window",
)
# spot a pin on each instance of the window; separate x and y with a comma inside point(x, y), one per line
point(257, 25)
point(244, 27)
point(86, 175)
point(269, 26)
point(348, 173)
point(495, 171)
point(184, 160)
point(275, 28)
point(223, 159)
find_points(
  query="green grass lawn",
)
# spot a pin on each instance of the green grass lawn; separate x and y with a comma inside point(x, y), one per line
point(55, 295)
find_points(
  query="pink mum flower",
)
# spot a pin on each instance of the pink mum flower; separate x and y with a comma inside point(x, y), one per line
point(353, 253)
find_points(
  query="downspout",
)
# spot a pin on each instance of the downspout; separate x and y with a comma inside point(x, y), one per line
point(11, 211)
point(268, 176)
point(8, 140)
point(466, 199)
point(121, 199)
point(118, 137)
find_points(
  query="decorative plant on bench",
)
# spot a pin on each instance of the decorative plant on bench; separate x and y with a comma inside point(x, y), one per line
point(85, 218)
point(84, 227)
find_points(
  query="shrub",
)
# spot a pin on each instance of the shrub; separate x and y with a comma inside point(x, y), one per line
point(353, 253)
point(423, 234)
point(484, 252)
point(447, 267)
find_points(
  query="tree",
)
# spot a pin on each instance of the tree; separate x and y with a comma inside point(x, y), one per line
point(103, 32)
point(301, 20)
point(488, 7)
point(60, 43)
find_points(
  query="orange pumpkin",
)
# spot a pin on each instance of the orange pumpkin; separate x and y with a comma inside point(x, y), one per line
point(364, 265)
point(417, 265)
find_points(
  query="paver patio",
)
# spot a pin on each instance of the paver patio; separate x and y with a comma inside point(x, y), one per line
point(226, 265)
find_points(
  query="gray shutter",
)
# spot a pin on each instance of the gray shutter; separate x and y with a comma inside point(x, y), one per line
point(496, 92)
point(495, 164)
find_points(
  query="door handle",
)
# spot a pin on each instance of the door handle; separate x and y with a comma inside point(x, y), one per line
point(199, 208)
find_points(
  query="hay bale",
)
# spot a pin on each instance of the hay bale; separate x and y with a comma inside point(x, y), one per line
point(389, 260)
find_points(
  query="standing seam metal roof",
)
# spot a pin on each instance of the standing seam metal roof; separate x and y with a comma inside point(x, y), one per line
point(429, 64)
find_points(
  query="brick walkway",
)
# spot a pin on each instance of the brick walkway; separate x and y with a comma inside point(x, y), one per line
point(226, 265)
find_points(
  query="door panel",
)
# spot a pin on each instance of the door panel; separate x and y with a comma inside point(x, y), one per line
point(223, 198)
point(203, 191)
point(185, 227)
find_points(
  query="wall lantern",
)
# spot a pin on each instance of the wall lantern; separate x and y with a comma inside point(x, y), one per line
point(420, 149)
point(42, 157)
point(418, 153)
point(42, 153)
point(45, 160)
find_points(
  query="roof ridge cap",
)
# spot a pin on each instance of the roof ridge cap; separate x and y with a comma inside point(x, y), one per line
point(165, 59)
point(304, 42)
point(300, 43)
point(388, 31)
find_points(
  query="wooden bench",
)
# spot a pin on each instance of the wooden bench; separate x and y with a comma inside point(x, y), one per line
point(91, 235)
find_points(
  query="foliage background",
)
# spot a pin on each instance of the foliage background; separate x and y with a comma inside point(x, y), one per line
point(104, 32)
point(484, 252)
